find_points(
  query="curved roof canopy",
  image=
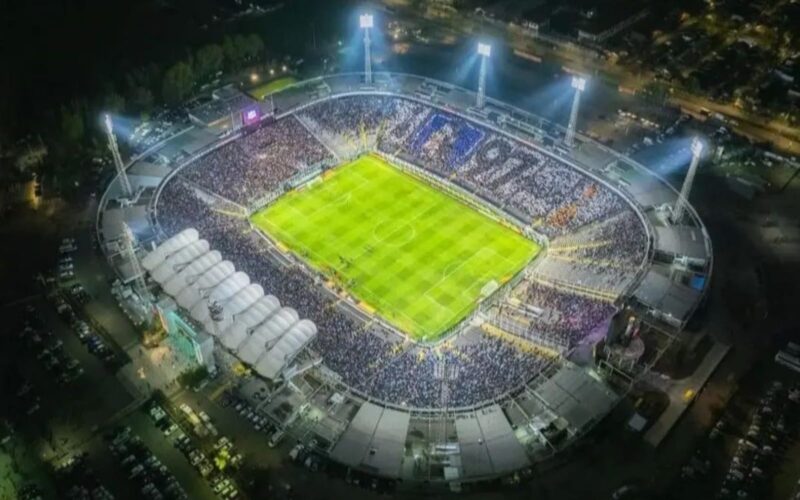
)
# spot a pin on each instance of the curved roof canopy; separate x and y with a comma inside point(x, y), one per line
point(179, 260)
point(271, 363)
point(191, 272)
point(168, 247)
point(233, 336)
point(190, 295)
point(254, 326)
point(226, 289)
point(268, 332)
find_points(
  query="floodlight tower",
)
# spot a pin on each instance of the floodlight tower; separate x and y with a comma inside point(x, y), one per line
point(112, 145)
point(579, 84)
point(485, 51)
point(129, 241)
point(683, 199)
point(366, 21)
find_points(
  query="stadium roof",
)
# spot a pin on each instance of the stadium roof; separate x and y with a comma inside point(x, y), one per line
point(168, 247)
point(374, 440)
point(175, 262)
point(229, 307)
point(673, 300)
point(576, 397)
point(682, 241)
point(488, 444)
point(191, 272)
point(271, 363)
point(267, 334)
point(190, 295)
point(235, 305)
point(233, 336)
point(223, 291)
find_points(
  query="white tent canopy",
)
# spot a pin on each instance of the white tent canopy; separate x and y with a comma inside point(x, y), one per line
point(226, 289)
point(190, 295)
point(237, 304)
point(234, 335)
point(270, 364)
point(269, 331)
point(190, 273)
point(168, 247)
point(177, 260)
point(254, 326)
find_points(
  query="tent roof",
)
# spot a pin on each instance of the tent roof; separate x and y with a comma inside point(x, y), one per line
point(284, 351)
point(191, 272)
point(169, 246)
point(169, 267)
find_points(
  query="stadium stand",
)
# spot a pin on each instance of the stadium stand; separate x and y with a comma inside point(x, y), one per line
point(597, 243)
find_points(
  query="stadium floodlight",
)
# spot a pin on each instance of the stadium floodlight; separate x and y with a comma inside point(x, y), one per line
point(366, 21)
point(485, 51)
point(683, 198)
point(579, 84)
point(114, 148)
point(697, 147)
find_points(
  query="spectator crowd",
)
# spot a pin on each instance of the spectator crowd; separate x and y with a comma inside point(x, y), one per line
point(589, 224)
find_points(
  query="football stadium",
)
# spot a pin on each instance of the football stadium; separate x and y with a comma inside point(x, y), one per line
point(428, 284)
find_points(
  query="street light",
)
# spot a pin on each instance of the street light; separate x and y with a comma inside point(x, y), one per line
point(127, 189)
point(697, 147)
point(683, 198)
point(579, 84)
point(484, 51)
point(366, 22)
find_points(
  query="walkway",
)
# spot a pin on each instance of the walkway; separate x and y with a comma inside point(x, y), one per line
point(682, 392)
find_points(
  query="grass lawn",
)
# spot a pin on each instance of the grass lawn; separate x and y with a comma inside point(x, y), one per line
point(417, 256)
point(263, 90)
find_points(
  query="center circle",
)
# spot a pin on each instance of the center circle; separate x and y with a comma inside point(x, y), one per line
point(394, 235)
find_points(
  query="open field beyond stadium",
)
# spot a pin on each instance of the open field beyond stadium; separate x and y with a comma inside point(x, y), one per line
point(264, 90)
point(419, 257)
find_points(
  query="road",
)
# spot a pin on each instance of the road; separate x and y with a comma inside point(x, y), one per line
point(783, 136)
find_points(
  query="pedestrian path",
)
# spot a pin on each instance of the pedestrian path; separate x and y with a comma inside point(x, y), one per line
point(682, 392)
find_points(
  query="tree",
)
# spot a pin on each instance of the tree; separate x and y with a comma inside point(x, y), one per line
point(255, 46)
point(657, 92)
point(178, 82)
point(113, 102)
point(231, 52)
point(208, 60)
point(141, 99)
point(72, 126)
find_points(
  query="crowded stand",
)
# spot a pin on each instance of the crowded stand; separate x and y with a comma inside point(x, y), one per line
point(260, 161)
point(486, 368)
point(558, 198)
point(564, 316)
point(590, 226)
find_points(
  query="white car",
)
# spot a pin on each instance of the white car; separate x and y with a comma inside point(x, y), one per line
point(276, 438)
point(66, 275)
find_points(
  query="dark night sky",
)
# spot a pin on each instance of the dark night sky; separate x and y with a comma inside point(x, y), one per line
point(60, 49)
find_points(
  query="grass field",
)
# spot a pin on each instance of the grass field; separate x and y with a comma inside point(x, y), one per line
point(417, 256)
point(262, 91)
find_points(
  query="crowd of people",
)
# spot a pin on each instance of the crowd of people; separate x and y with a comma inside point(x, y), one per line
point(563, 202)
point(261, 161)
point(565, 318)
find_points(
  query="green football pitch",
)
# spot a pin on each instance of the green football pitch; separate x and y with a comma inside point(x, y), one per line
point(417, 256)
